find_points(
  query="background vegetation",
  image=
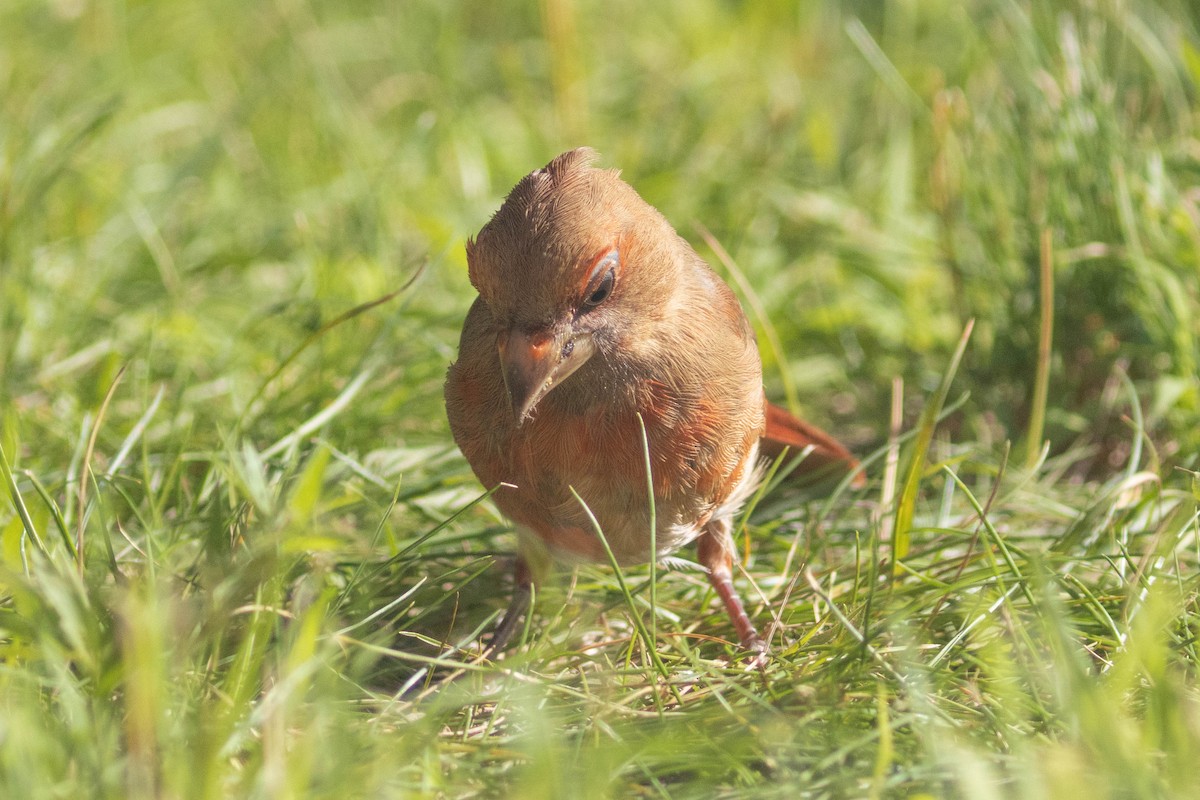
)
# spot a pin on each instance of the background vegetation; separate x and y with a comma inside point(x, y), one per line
point(240, 556)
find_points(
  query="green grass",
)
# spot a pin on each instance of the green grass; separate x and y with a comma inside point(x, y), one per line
point(240, 556)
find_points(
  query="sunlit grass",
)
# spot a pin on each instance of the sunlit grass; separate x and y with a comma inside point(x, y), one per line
point(284, 559)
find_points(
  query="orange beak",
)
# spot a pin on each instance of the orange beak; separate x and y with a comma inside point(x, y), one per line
point(535, 362)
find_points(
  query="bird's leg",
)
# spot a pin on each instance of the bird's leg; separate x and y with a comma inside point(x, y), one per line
point(522, 590)
point(715, 550)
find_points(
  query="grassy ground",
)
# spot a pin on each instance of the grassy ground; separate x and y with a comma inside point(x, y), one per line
point(240, 556)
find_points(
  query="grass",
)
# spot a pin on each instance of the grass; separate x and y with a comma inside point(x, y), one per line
point(240, 556)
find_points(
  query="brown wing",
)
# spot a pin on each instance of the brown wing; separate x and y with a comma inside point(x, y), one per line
point(829, 457)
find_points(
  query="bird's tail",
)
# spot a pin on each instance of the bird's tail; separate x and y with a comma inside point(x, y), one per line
point(828, 458)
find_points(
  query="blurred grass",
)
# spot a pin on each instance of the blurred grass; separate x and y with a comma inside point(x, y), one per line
point(280, 556)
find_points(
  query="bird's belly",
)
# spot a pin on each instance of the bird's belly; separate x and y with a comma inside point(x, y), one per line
point(574, 474)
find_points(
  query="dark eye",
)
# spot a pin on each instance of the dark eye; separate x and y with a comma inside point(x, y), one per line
point(604, 277)
point(602, 290)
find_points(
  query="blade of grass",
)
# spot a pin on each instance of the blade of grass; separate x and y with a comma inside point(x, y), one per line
point(59, 521)
point(906, 508)
point(318, 420)
point(638, 624)
point(345, 316)
point(884, 68)
point(885, 754)
point(417, 542)
point(85, 472)
point(760, 313)
point(135, 433)
point(1041, 381)
point(858, 635)
point(19, 502)
point(653, 530)
point(994, 535)
point(891, 468)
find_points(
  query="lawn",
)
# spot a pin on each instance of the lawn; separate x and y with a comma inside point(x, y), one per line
point(240, 555)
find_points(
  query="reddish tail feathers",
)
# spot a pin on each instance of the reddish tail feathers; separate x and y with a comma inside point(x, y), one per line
point(828, 459)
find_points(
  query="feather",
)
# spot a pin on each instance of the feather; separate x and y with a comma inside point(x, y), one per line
point(828, 457)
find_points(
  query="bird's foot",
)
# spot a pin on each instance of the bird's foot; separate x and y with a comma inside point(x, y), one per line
point(757, 652)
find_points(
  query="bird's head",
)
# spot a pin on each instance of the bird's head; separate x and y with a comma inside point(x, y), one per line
point(573, 263)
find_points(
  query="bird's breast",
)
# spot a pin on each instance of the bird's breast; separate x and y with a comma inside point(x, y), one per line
point(569, 468)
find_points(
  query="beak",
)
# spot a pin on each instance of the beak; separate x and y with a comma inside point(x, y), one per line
point(534, 363)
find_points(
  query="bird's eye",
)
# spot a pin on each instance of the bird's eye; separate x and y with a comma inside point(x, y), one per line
point(602, 291)
point(604, 277)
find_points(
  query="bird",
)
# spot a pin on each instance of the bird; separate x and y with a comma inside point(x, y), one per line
point(601, 343)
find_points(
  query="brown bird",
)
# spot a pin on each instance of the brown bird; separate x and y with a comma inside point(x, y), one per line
point(592, 311)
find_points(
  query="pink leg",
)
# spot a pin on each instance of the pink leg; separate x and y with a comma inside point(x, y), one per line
point(715, 549)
